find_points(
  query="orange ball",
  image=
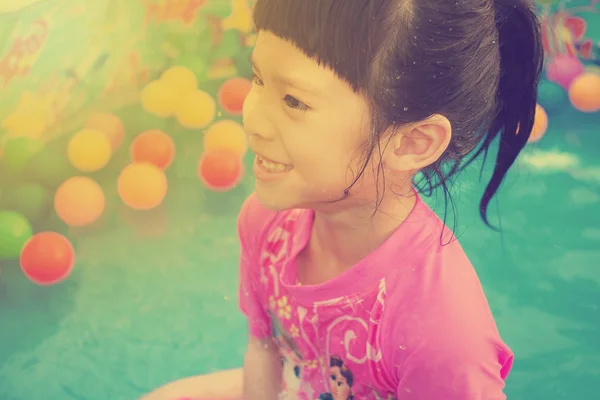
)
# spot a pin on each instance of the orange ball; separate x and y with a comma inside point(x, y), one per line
point(155, 147)
point(47, 258)
point(540, 125)
point(110, 125)
point(142, 186)
point(220, 169)
point(79, 201)
point(232, 94)
point(584, 92)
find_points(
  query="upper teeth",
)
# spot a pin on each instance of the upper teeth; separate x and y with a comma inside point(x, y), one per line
point(272, 166)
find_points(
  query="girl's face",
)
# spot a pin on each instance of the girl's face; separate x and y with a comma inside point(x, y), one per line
point(306, 127)
point(340, 390)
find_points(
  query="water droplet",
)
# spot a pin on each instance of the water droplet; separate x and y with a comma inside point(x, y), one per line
point(405, 108)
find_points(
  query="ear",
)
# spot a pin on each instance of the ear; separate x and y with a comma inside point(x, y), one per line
point(415, 146)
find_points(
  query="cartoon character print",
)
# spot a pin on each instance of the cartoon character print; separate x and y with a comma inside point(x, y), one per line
point(291, 360)
point(341, 381)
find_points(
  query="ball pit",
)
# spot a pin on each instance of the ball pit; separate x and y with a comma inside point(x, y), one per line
point(540, 125)
point(15, 230)
point(220, 170)
point(32, 200)
point(17, 152)
point(153, 146)
point(89, 150)
point(79, 201)
point(584, 93)
point(110, 125)
point(196, 110)
point(159, 98)
point(142, 186)
point(181, 79)
point(47, 258)
point(226, 134)
point(232, 94)
point(563, 69)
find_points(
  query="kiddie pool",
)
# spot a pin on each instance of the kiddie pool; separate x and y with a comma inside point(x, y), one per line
point(154, 299)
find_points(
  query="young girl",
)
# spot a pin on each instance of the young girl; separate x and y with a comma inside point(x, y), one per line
point(342, 264)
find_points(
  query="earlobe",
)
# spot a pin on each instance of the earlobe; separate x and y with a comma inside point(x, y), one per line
point(416, 146)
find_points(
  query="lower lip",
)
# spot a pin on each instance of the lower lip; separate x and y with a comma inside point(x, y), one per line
point(263, 175)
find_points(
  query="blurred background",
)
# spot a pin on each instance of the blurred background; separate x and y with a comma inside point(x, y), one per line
point(123, 166)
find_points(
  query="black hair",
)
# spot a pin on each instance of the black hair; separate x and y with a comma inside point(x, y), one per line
point(477, 62)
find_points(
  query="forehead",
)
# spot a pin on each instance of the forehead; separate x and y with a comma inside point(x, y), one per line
point(282, 60)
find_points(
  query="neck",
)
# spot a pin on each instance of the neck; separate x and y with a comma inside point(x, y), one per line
point(341, 239)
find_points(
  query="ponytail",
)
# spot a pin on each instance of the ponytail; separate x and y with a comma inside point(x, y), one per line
point(521, 54)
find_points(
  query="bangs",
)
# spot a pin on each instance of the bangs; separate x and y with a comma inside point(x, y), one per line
point(334, 33)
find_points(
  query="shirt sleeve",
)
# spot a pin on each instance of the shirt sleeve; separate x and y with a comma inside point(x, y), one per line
point(251, 222)
point(462, 371)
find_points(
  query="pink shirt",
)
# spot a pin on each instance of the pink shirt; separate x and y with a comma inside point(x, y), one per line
point(410, 321)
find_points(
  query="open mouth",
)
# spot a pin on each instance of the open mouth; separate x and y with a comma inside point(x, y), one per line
point(271, 166)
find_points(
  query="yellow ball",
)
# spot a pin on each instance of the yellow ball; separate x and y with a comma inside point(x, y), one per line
point(196, 109)
point(181, 79)
point(226, 134)
point(89, 150)
point(159, 98)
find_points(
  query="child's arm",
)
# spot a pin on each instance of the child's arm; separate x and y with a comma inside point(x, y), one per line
point(262, 370)
point(218, 385)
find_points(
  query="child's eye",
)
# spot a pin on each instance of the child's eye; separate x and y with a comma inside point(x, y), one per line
point(256, 79)
point(295, 103)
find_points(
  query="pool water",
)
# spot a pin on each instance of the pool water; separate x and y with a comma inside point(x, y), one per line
point(153, 295)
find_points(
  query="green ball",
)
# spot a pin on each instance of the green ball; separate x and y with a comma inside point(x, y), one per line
point(49, 168)
point(18, 151)
point(196, 64)
point(15, 230)
point(29, 199)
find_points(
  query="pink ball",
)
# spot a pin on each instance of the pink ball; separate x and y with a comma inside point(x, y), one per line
point(563, 69)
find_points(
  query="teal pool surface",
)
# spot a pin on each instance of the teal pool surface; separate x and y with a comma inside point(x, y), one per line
point(153, 296)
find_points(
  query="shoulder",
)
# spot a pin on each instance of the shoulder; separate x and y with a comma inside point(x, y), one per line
point(437, 321)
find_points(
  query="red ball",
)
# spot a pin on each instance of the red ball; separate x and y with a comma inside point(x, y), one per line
point(47, 258)
point(155, 147)
point(232, 94)
point(220, 169)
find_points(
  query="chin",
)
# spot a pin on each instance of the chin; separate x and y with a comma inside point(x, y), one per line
point(276, 200)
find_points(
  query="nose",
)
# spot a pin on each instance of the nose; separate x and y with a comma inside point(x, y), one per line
point(255, 118)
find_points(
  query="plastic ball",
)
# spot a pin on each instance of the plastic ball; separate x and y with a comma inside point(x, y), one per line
point(220, 170)
point(47, 258)
point(89, 150)
point(584, 93)
point(29, 199)
point(49, 168)
point(540, 124)
point(563, 69)
point(196, 110)
point(181, 79)
point(232, 94)
point(79, 201)
point(153, 146)
point(142, 186)
point(110, 125)
point(159, 98)
point(552, 97)
point(15, 230)
point(226, 134)
point(18, 151)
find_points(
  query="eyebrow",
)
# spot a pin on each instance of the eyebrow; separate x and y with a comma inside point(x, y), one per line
point(286, 81)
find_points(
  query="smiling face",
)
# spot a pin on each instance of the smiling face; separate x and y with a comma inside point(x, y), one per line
point(306, 127)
